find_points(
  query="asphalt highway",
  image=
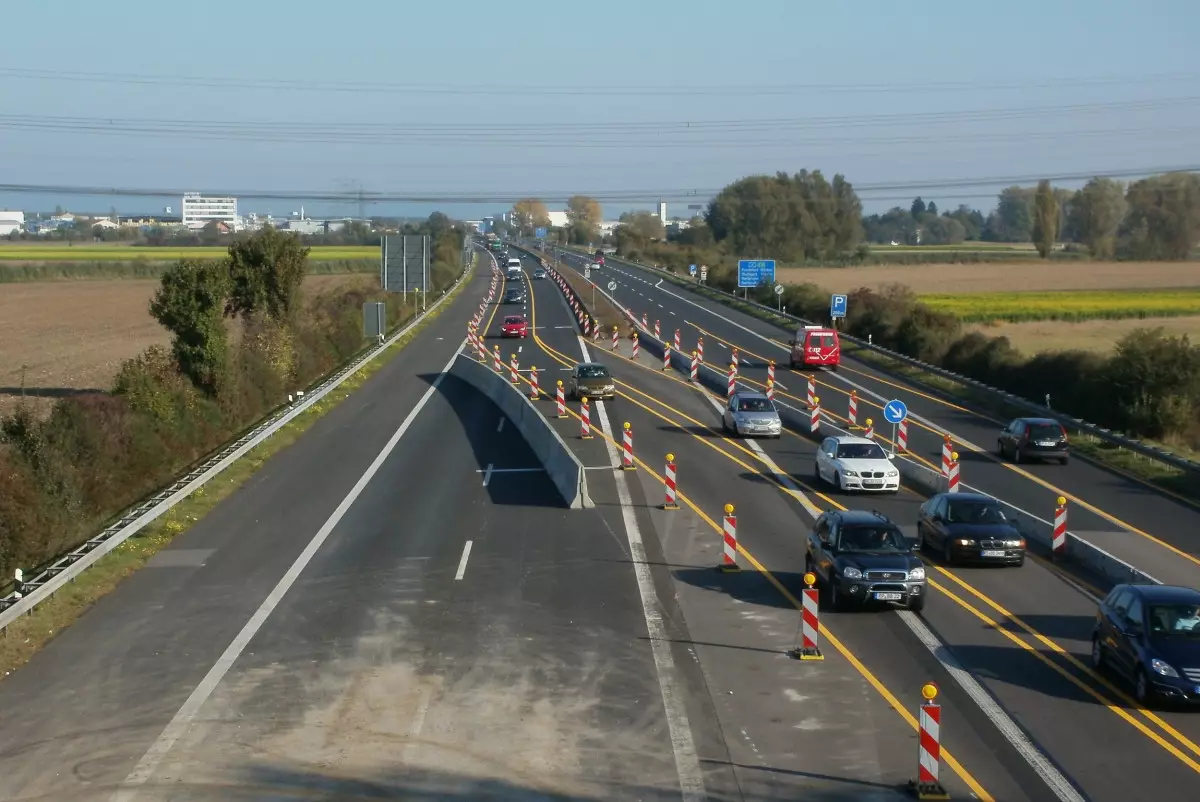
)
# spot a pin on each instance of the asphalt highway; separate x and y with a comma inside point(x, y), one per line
point(1023, 634)
point(1147, 528)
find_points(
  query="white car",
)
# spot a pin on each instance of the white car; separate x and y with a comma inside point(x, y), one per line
point(856, 463)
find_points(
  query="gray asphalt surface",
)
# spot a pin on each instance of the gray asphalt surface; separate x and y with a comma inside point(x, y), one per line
point(1111, 503)
point(1063, 718)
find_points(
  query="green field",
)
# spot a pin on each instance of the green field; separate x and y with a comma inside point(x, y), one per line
point(962, 246)
point(1016, 307)
point(129, 253)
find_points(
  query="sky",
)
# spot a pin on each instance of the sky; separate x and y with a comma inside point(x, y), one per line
point(466, 106)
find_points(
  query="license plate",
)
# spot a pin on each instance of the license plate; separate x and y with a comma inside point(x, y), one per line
point(1046, 443)
point(993, 554)
point(889, 596)
point(872, 484)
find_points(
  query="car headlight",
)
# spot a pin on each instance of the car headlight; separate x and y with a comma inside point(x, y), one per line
point(1163, 668)
point(849, 473)
point(893, 474)
point(850, 572)
point(916, 574)
point(1015, 544)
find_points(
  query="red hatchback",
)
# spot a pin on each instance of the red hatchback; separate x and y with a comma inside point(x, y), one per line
point(514, 326)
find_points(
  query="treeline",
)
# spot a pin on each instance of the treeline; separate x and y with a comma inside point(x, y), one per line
point(1148, 387)
point(244, 335)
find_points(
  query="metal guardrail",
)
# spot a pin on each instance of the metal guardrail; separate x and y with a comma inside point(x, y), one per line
point(70, 565)
point(1078, 424)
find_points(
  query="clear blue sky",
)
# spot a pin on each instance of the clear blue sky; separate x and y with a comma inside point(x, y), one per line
point(563, 77)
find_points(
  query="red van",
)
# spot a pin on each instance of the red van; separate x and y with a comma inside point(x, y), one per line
point(815, 347)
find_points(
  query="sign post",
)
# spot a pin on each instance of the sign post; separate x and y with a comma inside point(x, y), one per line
point(894, 412)
point(837, 306)
point(779, 296)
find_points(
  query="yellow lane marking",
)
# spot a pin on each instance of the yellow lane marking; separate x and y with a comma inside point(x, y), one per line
point(842, 649)
point(1074, 661)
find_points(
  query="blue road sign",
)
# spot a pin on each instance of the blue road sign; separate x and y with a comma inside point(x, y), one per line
point(540, 233)
point(895, 411)
point(837, 306)
point(755, 272)
point(692, 269)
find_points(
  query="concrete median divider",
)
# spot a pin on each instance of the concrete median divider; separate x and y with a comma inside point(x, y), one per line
point(564, 469)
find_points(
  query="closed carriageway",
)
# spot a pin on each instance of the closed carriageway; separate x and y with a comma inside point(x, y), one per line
point(1033, 660)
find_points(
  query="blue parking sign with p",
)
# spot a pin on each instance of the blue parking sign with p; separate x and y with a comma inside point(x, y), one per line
point(837, 306)
point(692, 269)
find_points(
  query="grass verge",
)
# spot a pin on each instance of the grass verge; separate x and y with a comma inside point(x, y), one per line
point(121, 253)
point(1072, 305)
point(142, 268)
point(25, 636)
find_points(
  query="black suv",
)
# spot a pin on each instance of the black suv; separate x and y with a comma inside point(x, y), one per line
point(1039, 438)
point(861, 557)
point(515, 296)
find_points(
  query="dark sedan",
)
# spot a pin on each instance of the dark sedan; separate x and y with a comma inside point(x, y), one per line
point(969, 527)
point(516, 296)
point(1034, 438)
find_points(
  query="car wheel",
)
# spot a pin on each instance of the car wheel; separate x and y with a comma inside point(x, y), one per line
point(817, 471)
point(1097, 653)
point(947, 553)
point(917, 605)
point(1017, 456)
point(1001, 451)
point(837, 481)
point(921, 544)
point(836, 600)
point(1141, 688)
point(1063, 460)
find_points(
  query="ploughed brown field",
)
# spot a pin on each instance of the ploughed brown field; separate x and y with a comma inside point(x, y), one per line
point(72, 336)
point(1087, 335)
point(1001, 276)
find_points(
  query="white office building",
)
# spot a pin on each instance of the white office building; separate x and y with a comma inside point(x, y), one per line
point(198, 211)
point(11, 221)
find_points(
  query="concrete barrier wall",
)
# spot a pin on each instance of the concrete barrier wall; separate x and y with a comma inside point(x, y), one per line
point(565, 470)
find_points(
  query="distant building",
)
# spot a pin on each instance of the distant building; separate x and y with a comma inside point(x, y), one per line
point(10, 222)
point(662, 212)
point(557, 219)
point(198, 211)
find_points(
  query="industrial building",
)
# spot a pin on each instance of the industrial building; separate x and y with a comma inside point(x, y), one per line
point(198, 211)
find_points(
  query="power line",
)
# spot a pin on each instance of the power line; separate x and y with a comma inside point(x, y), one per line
point(558, 196)
point(507, 89)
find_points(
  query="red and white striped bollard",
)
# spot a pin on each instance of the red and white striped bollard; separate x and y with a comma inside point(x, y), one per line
point(534, 392)
point(700, 347)
point(560, 399)
point(694, 376)
point(869, 432)
point(616, 337)
point(677, 346)
point(771, 372)
point(666, 356)
point(770, 389)
point(810, 622)
point(732, 380)
point(657, 331)
point(947, 452)
point(902, 436)
point(812, 390)
point(729, 544)
point(512, 364)
point(635, 345)
point(645, 321)
point(1058, 543)
point(627, 449)
point(585, 419)
point(814, 416)
point(929, 748)
point(952, 479)
point(853, 416)
point(672, 493)
point(498, 364)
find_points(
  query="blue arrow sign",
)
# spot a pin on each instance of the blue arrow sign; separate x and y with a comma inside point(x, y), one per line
point(895, 411)
point(837, 306)
point(755, 272)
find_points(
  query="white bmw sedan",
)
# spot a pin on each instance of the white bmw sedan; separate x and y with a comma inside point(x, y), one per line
point(856, 463)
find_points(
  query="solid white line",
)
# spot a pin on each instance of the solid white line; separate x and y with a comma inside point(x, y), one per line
point(1016, 737)
point(418, 723)
point(500, 425)
point(687, 763)
point(490, 470)
point(182, 720)
point(462, 563)
point(487, 475)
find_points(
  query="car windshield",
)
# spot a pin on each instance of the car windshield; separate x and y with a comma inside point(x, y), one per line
point(514, 320)
point(975, 512)
point(1175, 619)
point(860, 451)
point(754, 405)
point(593, 372)
point(1044, 431)
point(875, 539)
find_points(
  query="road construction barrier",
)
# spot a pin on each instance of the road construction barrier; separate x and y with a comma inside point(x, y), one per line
point(770, 389)
point(677, 345)
point(585, 420)
point(952, 478)
point(729, 548)
point(671, 502)
point(534, 392)
point(595, 332)
point(947, 454)
point(732, 380)
point(853, 416)
point(498, 363)
point(657, 331)
point(560, 399)
point(812, 391)
point(587, 327)
point(645, 321)
point(771, 372)
point(666, 356)
point(635, 345)
point(1058, 543)
point(616, 337)
point(869, 432)
point(512, 365)
point(929, 748)
point(627, 449)
point(902, 436)
point(700, 347)
point(810, 622)
point(735, 360)
point(695, 373)
point(814, 415)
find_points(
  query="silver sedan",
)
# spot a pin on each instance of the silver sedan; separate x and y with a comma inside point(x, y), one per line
point(750, 413)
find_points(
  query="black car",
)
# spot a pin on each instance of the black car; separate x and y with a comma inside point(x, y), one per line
point(1150, 636)
point(516, 296)
point(969, 527)
point(862, 558)
point(1034, 438)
